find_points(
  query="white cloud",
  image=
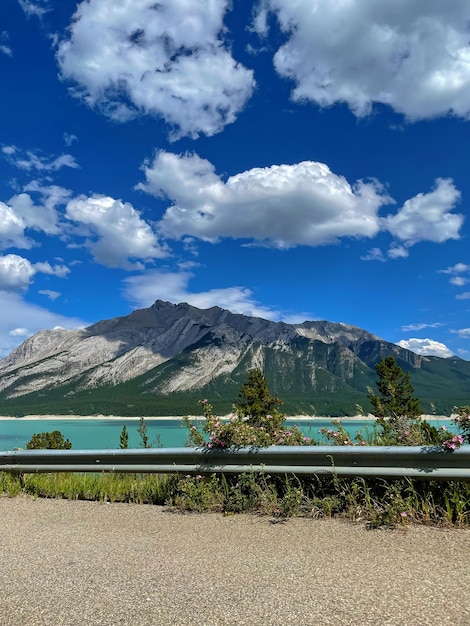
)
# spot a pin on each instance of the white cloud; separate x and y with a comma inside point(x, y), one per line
point(19, 332)
point(420, 326)
point(463, 333)
point(33, 160)
point(12, 229)
point(397, 252)
point(61, 271)
point(426, 347)
point(410, 54)
point(16, 273)
point(458, 281)
point(282, 205)
point(427, 217)
point(4, 48)
point(37, 7)
point(288, 205)
point(69, 138)
point(458, 268)
point(37, 217)
point(21, 213)
point(117, 233)
point(20, 319)
point(374, 254)
point(144, 289)
point(463, 296)
point(52, 295)
point(51, 195)
point(260, 19)
point(166, 59)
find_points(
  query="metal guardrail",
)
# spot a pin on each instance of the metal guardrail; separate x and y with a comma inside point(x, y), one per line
point(390, 462)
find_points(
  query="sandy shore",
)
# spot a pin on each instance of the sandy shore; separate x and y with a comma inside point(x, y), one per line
point(299, 418)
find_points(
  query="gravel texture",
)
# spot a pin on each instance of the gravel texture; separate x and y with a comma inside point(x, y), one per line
point(91, 564)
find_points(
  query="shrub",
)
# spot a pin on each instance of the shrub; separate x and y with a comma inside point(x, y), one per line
point(461, 418)
point(48, 441)
point(338, 436)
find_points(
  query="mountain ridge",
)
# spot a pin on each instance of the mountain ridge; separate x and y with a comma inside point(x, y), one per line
point(170, 354)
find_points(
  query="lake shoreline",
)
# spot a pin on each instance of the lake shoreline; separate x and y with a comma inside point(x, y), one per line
point(300, 418)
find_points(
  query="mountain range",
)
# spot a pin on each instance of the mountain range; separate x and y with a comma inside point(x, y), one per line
point(161, 360)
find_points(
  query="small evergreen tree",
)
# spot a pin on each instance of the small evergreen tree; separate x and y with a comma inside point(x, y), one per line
point(395, 408)
point(124, 439)
point(255, 402)
point(48, 441)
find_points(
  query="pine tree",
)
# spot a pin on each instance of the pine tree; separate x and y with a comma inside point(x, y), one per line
point(255, 401)
point(124, 439)
point(395, 408)
point(255, 421)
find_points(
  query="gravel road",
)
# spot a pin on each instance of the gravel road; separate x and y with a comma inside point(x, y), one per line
point(91, 564)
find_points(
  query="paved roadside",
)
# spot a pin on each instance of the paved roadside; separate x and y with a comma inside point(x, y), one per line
point(91, 564)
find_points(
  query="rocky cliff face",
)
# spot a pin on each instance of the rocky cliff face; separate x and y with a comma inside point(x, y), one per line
point(174, 349)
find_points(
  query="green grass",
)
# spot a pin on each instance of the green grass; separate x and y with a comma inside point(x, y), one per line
point(104, 487)
point(374, 502)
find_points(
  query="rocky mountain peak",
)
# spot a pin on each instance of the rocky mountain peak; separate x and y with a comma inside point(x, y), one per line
point(178, 348)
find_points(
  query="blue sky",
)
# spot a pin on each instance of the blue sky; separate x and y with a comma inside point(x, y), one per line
point(289, 160)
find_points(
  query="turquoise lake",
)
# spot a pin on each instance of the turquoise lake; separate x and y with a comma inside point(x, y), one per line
point(89, 434)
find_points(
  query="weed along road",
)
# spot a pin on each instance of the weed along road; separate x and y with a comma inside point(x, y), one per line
point(76, 563)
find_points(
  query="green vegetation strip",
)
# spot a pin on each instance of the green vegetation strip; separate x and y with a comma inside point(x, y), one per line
point(257, 421)
point(374, 502)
